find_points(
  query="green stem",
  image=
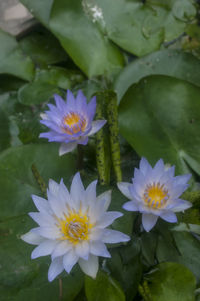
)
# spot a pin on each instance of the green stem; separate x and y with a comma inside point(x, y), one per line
point(39, 179)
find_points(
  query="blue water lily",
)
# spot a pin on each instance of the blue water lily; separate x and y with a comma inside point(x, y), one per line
point(71, 121)
point(155, 192)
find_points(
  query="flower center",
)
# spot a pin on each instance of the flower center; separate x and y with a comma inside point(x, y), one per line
point(156, 195)
point(73, 123)
point(75, 227)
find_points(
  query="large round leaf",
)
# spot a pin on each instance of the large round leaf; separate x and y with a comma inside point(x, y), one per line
point(165, 62)
point(172, 281)
point(141, 26)
point(160, 118)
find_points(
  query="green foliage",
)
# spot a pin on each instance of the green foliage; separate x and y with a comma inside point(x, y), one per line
point(103, 288)
point(171, 281)
point(166, 122)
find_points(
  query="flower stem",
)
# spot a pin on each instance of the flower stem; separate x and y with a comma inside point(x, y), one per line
point(39, 179)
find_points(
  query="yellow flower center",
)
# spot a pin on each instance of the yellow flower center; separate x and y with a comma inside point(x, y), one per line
point(73, 123)
point(75, 227)
point(155, 195)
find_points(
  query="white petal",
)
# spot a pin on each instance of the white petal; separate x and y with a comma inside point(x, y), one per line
point(56, 204)
point(113, 236)
point(32, 238)
point(107, 197)
point(108, 218)
point(98, 207)
point(41, 204)
point(67, 147)
point(96, 126)
point(90, 266)
point(124, 188)
point(149, 220)
point(55, 268)
point(90, 193)
point(82, 250)
point(69, 260)
point(48, 232)
point(53, 187)
point(45, 248)
point(98, 248)
point(131, 206)
point(77, 190)
point(62, 248)
point(96, 234)
point(145, 167)
point(42, 219)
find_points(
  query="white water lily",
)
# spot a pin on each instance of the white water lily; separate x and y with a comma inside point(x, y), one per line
point(72, 227)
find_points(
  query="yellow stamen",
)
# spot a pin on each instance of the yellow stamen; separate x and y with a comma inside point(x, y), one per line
point(75, 227)
point(155, 195)
point(73, 123)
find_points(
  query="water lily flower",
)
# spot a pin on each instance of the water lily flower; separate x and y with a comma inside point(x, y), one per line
point(73, 227)
point(155, 192)
point(71, 122)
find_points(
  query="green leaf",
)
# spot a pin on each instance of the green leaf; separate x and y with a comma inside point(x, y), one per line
point(171, 281)
point(70, 24)
point(138, 27)
point(165, 124)
point(148, 246)
point(103, 288)
point(165, 62)
point(47, 83)
point(17, 180)
point(189, 248)
point(43, 48)
point(12, 59)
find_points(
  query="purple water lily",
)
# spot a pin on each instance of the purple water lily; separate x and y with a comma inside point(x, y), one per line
point(155, 192)
point(71, 122)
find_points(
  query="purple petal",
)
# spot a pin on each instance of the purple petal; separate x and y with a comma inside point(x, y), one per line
point(124, 188)
point(182, 180)
point(169, 216)
point(179, 205)
point(148, 221)
point(60, 103)
point(52, 125)
point(81, 102)
point(131, 206)
point(96, 126)
point(70, 101)
point(82, 140)
point(145, 167)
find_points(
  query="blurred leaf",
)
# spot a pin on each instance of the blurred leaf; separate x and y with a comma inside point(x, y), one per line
point(17, 180)
point(171, 281)
point(125, 265)
point(103, 288)
point(43, 48)
point(167, 122)
point(141, 26)
point(10, 83)
point(67, 20)
point(148, 246)
point(165, 62)
point(12, 59)
point(46, 83)
point(189, 248)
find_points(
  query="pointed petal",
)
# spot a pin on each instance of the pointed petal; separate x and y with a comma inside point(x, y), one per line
point(45, 248)
point(113, 236)
point(77, 190)
point(90, 193)
point(108, 218)
point(90, 266)
point(69, 260)
point(96, 126)
point(181, 205)
point(41, 204)
point(131, 206)
point(47, 232)
point(82, 250)
point(149, 220)
point(98, 248)
point(124, 188)
point(55, 268)
point(67, 148)
point(107, 197)
point(42, 219)
point(169, 216)
point(32, 238)
point(145, 167)
point(61, 248)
